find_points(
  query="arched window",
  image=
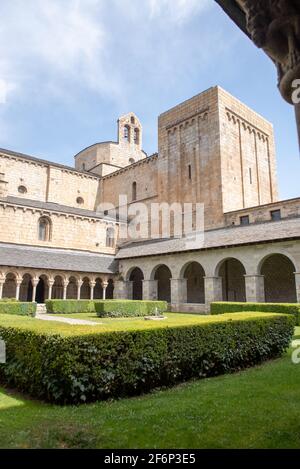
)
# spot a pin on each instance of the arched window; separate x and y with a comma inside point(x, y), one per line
point(136, 136)
point(44, 229)
point(110, 237)
point(127, 133)
point(134, 190)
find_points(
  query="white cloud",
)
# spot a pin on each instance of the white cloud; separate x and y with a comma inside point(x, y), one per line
point(177, 11)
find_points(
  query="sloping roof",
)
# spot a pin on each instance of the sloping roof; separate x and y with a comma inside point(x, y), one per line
point(53, 207)
point(224, 237)
point(56, 259)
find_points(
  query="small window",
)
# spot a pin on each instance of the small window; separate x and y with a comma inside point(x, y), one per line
point(83, 166)
point(80, 200)
point(250, 175)
point(110, 237)
point(136, 136)
point(44, 229)
point(134, 192)
point(244, 220)
point(131, 160)
point(190, 171)
point(22, 189)
point(275, 215)
point(132, 120)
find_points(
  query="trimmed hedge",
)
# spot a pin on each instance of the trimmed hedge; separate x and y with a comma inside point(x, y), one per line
point(17, 307)
point(70, 306)
point(84, 368)
point(106, 308)
point(222, 307)
point(128, 308)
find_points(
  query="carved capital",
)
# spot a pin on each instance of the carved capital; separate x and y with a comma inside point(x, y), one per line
point(274, 26)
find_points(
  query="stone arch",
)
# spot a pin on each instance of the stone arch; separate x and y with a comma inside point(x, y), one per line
point(136, 277)
point(163, 275)
point(194, 274)
point(98, 290)
point(26, 287)
point(44, 228)
point(279, 278)
point(232, 273)
point(58, 289)
point(10, 285)
point(110, 289)
point(85, 293)
point(72, 288)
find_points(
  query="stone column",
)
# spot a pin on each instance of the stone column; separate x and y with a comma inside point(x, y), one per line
point(178, 291)
point(65, 286)
point(35, 282)
point(104, 287)
point(150, 290)
point(297, 279)
point(213, 289)
point(2, 281)
point(18, 284)
point(255, 288)
point(50, 285)
point(92, 287)
point(79, 285)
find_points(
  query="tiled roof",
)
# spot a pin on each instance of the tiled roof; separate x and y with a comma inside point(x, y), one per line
point(56, 259)
point(50, 206)
point(224, 237)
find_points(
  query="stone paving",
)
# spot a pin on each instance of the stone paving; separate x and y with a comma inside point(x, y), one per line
point(74, 322)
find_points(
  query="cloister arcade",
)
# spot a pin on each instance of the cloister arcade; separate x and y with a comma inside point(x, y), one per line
point(38, 286)
point(265, 275)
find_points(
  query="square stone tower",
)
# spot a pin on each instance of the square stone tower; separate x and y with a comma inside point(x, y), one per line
point(215, 150)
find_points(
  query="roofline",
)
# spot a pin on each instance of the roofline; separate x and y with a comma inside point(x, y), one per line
point(250, 243)
point(45, 162)
point(108, 142)
point(294, 199)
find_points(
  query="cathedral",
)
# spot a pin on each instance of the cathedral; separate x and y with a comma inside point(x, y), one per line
point(60, 237)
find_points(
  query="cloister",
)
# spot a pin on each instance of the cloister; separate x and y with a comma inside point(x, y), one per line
point(34, 285)
point(190, 282)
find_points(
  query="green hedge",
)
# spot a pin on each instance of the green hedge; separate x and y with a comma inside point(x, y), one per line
point(106, 308)
point(84, 368)
point(70, 306)
point(17, 307)
point(128, 308)
point(222, 307)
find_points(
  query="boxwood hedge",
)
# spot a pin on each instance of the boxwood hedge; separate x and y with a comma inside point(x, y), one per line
point(128, 308)
point(70, 306)
point(82, 368)
point(106, 308)
point(17, 307)
point(222, 307)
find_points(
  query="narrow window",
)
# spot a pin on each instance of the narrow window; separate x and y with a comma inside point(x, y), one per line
point(44, 229)
point(127, 133)
point(83, 166)
point(134, 192)
point(136, 136)
point(250, 175)
point(190, 171)
point(110, 237)
point(276, 215)
point(244, 220)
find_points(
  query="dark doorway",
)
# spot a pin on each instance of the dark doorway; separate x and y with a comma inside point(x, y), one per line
point(40, 292)
point(137, 277)
point(163, 276)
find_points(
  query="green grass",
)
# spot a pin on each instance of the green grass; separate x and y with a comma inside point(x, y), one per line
point(257, 408)
point(117, 324)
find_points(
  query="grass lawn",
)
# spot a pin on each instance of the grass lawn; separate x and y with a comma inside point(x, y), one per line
point(257, 408)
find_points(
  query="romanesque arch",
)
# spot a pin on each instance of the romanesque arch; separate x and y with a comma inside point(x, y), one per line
point(10, 286)
point(194, 274)
point(72, 288)
point(58, 289)
point(98, 290)
point(26, 288)
point(232, 272)
point(85, 293)
point(163, 276)
point(279, 279)
point(136, 277)
point(110, 289)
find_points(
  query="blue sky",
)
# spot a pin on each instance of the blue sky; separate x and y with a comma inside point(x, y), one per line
point(69, 68)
